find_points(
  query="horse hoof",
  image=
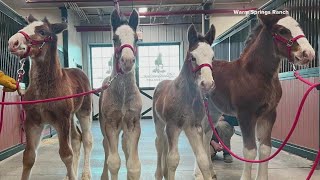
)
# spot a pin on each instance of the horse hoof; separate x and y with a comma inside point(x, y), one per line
point(198, 177)
point(66, 178)
point(86, 177)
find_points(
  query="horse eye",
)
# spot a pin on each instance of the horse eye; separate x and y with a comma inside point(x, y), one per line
point(193, 59)
point(283, 31)
point(41, 32)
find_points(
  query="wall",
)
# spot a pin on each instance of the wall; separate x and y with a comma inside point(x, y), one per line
point(307, 132)
point(53, 15)
point(224, 21)
point(74, 41)
point(162, 33)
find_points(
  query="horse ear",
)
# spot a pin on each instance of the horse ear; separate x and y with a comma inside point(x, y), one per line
point(134, 20)
point(58, 27)
point(211, 34)
point(192, 36)
point(115, 20)
point(31, 19)
point(270, 19)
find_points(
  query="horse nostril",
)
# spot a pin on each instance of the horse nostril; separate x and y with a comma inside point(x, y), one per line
point(122, 60)
point(305, 54)
point(134, 61)
point(202, 83)
point(16, 44)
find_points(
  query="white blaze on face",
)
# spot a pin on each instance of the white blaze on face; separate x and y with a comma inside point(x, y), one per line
point(126, 36)
point(293, 26)
point(204, 55)
point(28, 30)
point(31, 27)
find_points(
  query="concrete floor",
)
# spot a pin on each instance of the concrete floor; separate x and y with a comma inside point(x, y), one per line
point(49, 166)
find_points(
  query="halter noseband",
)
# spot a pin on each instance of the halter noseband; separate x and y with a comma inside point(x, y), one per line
point(117, 52)
point(289, 42)
point(33, 42)
point(198, 68)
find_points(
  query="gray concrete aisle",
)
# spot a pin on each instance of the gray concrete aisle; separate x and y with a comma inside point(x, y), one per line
point(49, 166)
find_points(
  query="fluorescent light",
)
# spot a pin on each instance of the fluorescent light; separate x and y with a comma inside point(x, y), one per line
point(143, 10)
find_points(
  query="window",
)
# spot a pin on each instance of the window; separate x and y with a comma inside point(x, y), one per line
point(158, 63)
point(101, 58)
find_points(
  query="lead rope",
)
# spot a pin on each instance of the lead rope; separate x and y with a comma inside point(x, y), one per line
point(20, 73)
point(2, 110)
point(317, 159)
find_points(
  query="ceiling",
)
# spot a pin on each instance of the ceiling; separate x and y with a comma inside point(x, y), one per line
point(96, 12)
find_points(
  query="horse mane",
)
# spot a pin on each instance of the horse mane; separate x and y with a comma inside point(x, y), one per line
point(252, 37)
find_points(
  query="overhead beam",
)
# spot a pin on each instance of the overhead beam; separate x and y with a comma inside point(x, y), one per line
point(108, 27)
point(79, 1)
point(183, 12)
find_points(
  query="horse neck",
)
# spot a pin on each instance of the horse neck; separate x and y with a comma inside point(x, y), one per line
point(260, 57)
point(46, 68)
point(128, 78)
point(186, 80)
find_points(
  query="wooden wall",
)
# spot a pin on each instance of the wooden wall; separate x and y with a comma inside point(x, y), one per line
point(306, 133)
point(11, 130)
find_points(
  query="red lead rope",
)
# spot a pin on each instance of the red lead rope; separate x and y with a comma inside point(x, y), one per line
point(2, 110)
point(312, 86)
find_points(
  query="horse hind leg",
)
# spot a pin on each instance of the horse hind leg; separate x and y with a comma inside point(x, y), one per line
point(87, 140)
point(264, 128)
point(131, 136)
point(247, 125)
point(76, 145)
point(33, 135)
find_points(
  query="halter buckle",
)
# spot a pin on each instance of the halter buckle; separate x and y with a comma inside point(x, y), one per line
point(289, 43)
point(42, 45)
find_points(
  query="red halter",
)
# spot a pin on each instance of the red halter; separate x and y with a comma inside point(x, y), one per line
point(197, 68)
point(117, 52)
point(33, 42)
point(289, 42)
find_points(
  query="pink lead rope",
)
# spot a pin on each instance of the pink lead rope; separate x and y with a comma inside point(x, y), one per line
point(312, 86)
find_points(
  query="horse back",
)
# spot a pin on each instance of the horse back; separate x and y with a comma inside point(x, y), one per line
point(78, 83)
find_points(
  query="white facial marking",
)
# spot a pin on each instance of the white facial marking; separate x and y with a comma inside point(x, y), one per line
point(204, 55)
point(126, 36)
point(291, 24)
point(31, 27)
point(18, 37)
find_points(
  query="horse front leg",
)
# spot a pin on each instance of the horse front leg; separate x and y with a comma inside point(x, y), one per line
point(197, 172)
point(247, 124)
point(173, 157)
point(131, 136)
point(65, 150)
point(195, 136)
point(76, 145)
point(112, 129)
point(160, 146)
point(33, 136)
point(86, 135)
point(264, 129)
